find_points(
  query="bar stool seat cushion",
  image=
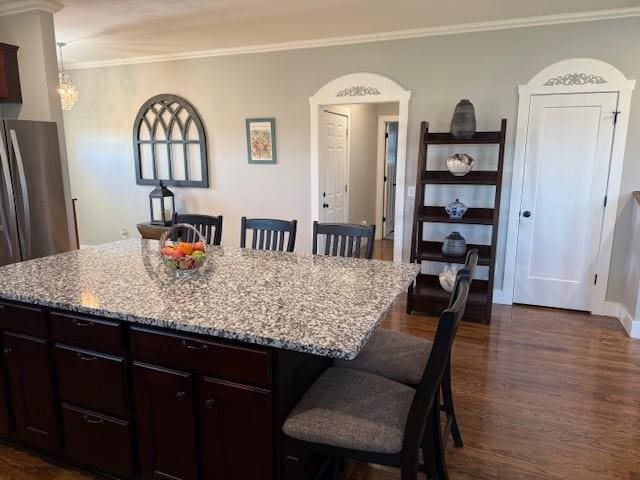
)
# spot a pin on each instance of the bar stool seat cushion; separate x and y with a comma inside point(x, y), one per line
point(351, 409)
point(393, 355)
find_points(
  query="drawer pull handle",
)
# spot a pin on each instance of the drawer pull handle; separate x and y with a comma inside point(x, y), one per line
point(210, 402)
point(86, 358)
point(190, 346)
point(181, 396)
point(82, 323)
point(7, 351)
point(92, 420)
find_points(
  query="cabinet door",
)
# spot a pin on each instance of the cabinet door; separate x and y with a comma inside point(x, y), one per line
point(5, 425)
point(31, 390)
point(166, 422)
point(236, 431)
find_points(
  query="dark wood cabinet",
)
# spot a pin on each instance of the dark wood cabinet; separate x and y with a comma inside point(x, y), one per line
point(165, 410)
point(139, 402)
point(31, 386)
point(98, 440)
point(5, 419)
point(9, 75)
point(92, 380)
point(236, 431)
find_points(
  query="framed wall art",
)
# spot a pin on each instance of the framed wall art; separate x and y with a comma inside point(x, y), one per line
point(261, 140)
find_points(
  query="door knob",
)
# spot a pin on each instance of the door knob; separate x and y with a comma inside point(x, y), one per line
point(325, 205)
point(209, 402)
point(526, 214)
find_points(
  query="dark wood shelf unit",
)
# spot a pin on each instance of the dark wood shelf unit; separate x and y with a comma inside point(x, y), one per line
point(443, 177)
point(445, 138)
point(426, 295)
point(430, 298)
point(432, 251)
point(474, 216)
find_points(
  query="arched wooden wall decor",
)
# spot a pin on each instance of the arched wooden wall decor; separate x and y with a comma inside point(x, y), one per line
point(169, 143)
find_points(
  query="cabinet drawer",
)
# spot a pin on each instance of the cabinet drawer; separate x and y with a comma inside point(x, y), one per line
point(98, 440)
point(22, 319)
point(87, 332)
point(93, 380)
point(217, 359)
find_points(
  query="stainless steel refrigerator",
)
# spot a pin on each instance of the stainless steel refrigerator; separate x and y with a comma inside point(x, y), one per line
point(33, 214)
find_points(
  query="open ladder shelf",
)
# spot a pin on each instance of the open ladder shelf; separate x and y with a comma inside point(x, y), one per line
point(426, 295)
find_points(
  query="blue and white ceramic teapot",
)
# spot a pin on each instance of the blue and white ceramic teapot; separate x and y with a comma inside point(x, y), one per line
point(456, 209)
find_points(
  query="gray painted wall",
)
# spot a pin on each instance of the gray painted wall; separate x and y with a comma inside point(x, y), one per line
point(34, 33)
point(486, 67)
point(363, 146)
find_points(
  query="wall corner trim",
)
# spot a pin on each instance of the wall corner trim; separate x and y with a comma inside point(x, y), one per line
point(21, 6)
point(631, 326)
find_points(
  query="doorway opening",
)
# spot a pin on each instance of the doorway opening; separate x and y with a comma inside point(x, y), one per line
point(362, 88)
point(358, 149)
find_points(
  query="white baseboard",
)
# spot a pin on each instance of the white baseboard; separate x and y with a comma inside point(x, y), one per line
point(498, 297)
point(631, 326)
point(608, 309)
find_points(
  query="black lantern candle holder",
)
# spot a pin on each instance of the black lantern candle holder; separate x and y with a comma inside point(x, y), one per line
point(162, 206)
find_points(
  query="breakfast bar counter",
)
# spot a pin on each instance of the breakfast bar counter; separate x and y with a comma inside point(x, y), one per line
point(115, 366)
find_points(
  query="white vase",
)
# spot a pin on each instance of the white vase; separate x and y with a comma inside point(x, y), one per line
point(448, 277)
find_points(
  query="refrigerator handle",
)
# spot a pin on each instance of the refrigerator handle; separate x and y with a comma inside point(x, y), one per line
point(8, 218)
point(25, 195)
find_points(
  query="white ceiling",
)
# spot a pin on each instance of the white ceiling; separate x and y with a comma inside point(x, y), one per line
point(108, 30)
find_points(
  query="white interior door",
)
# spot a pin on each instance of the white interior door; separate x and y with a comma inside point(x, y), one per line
point(333, 167)
point(567, 159)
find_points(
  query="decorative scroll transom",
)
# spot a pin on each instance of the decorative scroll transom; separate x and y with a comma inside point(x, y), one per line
point(358, 91)
point(169, 143)
point(575, 79)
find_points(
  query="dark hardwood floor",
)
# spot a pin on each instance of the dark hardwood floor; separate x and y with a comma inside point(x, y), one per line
point(540, 394)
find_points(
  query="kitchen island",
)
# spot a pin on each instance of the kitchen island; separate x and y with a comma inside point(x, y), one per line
point(112, 365)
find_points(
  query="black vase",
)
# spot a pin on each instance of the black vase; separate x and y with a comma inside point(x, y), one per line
point(463, 124)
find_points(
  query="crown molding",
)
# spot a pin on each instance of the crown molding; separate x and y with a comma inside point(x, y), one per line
point(523, 22)
point(21, 6)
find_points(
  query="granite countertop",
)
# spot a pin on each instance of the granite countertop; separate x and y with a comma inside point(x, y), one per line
point(323, 305)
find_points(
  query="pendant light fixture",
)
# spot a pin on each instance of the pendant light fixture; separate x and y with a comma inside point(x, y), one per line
point(68, 92)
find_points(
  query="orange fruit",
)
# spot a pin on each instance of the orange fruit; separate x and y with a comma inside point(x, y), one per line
point(199, 246)
point(168, 251)
point(186, 248)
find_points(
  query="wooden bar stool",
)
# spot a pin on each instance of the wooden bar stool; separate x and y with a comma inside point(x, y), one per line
point(344, 239)
point(402, 357)
point(352, 414)
point(269, 233)
point(210, 227)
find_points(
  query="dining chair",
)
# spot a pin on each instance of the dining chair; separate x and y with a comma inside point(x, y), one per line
point(209, 226)
point(401, 357)
point(352, 414)
point(344, 239)
point(269, 234)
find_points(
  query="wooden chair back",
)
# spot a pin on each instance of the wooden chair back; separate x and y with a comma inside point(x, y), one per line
point(269, 234)
point(210, 228)
point(467, 271)
point(344, 239)
point(427, 392)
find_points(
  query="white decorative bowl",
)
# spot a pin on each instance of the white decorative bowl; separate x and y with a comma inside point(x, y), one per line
point(460, 164)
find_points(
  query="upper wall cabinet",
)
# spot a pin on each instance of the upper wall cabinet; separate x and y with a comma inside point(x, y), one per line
point(9, 77)
point(169, 143)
